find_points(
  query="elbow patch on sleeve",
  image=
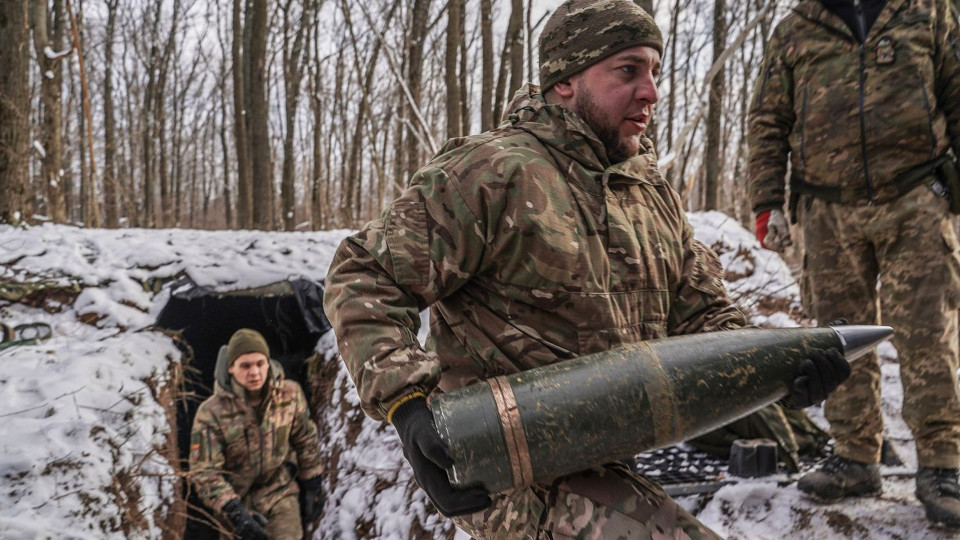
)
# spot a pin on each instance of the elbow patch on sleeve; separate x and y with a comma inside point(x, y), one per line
point(408, 241)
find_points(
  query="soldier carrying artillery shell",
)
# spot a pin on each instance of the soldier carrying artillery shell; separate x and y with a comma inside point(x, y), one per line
point(551, 237)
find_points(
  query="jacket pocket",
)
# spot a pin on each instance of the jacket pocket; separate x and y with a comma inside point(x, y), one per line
point(407, 240)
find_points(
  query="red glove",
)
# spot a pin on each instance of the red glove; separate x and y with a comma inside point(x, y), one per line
point(761, 228)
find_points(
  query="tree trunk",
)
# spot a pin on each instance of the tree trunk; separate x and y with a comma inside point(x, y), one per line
point(48, 36)
point(90, 207)
point(451, 63)
point(244, 174)
point(293, 59)
point(415, 38)
point(487, 71)
point(713, 161)
point(512, 36)
point(516, 48)
point(14, 107)
point(165, 182)
point(464, 71)
point(228, 207)
point(111, 203)
point(258, 112)
point(319, 173)
point(674, 92)
point(651, 131)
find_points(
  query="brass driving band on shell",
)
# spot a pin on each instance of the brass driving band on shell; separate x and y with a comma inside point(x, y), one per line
point(513, 432)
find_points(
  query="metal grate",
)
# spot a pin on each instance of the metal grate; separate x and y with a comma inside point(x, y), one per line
point(683, 471)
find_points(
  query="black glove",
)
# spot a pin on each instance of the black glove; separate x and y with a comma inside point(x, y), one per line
point(818, 375)
point(311, 498)
point(247, 525)
point(427, 455)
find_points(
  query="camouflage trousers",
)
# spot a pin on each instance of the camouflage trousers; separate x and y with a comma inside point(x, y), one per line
point(909, 245)
point(602, 503)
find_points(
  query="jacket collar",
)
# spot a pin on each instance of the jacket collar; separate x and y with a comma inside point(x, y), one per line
point(814, 11)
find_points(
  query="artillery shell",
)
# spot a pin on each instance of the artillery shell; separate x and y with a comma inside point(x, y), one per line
point(530, 427)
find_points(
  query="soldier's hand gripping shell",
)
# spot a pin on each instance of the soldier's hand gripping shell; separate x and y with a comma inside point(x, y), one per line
point(817, 377)
point(426, 453)
point(247, 525)
point(772, 230)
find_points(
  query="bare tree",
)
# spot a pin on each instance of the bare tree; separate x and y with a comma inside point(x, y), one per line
point(240, 121)
point(414, 61)
point(713, 161)
point(258, 110)
point(508, 67)
point(487, 72)
point(89, 202)
point(48, 32)
point(110, 192)
point(451, 77)
point(14, 105)
point(294, 58)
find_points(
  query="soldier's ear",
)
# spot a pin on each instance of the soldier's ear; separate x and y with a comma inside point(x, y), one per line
point(564, 89)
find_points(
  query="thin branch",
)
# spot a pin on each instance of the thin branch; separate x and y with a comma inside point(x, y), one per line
point(431, 144)
point(668, 160)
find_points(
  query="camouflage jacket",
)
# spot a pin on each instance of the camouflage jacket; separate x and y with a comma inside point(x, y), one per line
point(852, 116)
point(232, 455)
point(530, 248)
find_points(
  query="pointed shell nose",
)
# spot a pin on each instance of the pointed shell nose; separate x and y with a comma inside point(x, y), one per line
point(858, 340)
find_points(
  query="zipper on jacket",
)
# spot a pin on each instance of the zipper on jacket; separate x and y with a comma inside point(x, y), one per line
point(863, 121)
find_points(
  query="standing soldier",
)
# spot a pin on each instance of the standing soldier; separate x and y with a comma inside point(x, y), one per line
point(242, 440)
point(864, 96)
point(550, 237)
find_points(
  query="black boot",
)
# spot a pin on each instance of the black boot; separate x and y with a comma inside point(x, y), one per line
point(841, 477)
point(937, 490)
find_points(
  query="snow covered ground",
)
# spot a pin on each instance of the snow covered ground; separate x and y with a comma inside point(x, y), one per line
point(81, 424)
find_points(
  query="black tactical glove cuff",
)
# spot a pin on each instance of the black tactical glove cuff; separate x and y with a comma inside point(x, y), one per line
point(412, 411)
point(428, 456)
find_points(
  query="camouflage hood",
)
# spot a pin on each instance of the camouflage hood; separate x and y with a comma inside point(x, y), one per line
point(564, 132)
point(224, 381)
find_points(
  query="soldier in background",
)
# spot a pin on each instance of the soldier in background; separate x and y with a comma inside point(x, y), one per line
point(864, 97)
point(242, 441)
point(550, 237)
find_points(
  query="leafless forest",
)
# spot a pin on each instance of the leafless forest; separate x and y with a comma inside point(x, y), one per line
point(312, 114)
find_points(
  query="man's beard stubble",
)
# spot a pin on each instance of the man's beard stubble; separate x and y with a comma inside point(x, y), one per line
point(588, 110)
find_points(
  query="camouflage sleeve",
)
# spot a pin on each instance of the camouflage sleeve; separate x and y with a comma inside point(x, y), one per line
point(948, 69)
point(207, 461)
point(304, 438)
point(701, 303)
point(423, 247)
point(770, 121)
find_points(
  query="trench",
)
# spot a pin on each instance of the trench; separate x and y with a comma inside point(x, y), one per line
point(290, 316)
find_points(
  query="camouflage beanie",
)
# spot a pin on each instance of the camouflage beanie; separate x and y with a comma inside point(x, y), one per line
point(246, 341)
point(581, 33)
